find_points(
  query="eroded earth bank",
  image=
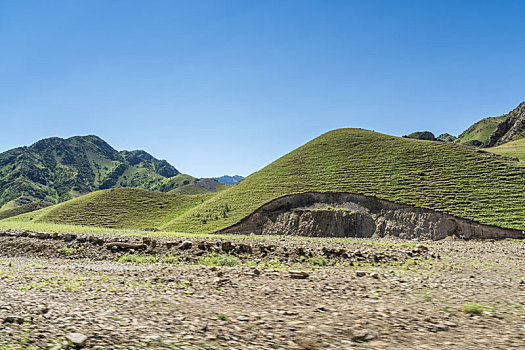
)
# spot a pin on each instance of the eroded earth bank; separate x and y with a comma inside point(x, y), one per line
point(315, 214)
point(104, 292)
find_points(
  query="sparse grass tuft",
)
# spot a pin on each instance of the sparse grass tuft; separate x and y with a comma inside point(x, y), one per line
point(472, 308)
point(219, 260)
point(319, 261)
point(137, 258)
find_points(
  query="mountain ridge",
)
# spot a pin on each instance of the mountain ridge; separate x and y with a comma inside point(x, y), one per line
point(57, 169)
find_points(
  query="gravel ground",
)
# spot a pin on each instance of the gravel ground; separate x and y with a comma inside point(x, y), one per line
point(371, 295)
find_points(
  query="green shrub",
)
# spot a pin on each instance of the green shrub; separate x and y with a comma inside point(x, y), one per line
point(319, 261)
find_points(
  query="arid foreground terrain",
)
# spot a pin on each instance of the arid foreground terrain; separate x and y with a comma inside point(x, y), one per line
point(276, 293)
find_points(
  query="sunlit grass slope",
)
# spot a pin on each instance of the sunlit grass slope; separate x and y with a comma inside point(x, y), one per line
point(437, 175)
point(196, 189)
point(118, 208)
point(511, 149)
point(10, 212)
point(480, 131)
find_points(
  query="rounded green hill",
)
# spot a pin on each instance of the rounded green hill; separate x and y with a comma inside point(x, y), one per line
point(118, 208)
point(449, 178)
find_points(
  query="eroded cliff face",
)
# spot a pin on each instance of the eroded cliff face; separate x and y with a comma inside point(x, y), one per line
point(352, 215)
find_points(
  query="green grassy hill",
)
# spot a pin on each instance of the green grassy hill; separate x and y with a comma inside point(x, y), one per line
point(446, 177)
point(26, 208)
point(510, 149)
point(118, 208)
point(479, 133)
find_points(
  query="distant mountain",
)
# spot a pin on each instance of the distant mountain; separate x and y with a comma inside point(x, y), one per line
point(201, 186)
point(54, 170)
point(488, 133)
point(229, 180)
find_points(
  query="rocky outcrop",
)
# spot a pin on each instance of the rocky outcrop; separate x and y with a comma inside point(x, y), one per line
point(508, 129)
point(351, 215)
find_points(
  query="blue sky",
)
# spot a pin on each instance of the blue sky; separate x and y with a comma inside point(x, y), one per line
point(226, 87)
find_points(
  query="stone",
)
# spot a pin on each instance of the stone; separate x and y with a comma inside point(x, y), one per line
point(124, 245)
point(227, 246)
point(298, 274)
point(68, 237)
point(421, 247)
point(244, 248)
point(42, 235)
point(186, 245)
point(363, 335)
point(95, 240)
point(13, 319)
point(360, 273)
point(307, 344)
point(77, 339)
point(243, 318)
point(149, 241)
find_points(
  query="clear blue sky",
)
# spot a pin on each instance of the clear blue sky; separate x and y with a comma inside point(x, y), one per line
point(226, 87)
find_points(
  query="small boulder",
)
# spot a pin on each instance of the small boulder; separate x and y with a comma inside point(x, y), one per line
point(227, 246)
point(186, 245)
point(298, 274)
point(244, 248)
point(421, 247)
point(13, 319)
point(363, 335)
point(77, 339)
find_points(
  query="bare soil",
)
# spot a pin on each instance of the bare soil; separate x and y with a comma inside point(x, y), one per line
point(386, 294)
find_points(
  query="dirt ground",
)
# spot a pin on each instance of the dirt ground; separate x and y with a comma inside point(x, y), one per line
point(281, 294)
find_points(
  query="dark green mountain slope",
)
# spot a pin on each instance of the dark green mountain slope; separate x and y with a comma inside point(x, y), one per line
point(55, 170)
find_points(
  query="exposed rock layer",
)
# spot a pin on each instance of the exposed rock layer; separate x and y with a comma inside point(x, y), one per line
point(351, 215)
point(508, 129)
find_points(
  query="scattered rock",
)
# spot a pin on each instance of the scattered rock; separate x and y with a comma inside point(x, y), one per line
point(298, 274)
point(124, 245)
point(186, 245)
point(77, 339)
point(360, 273)
point(363, 335)
point(13, 319)
point(244, 248)
point(227, 246)
point(422, 247)
point(307, 344)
